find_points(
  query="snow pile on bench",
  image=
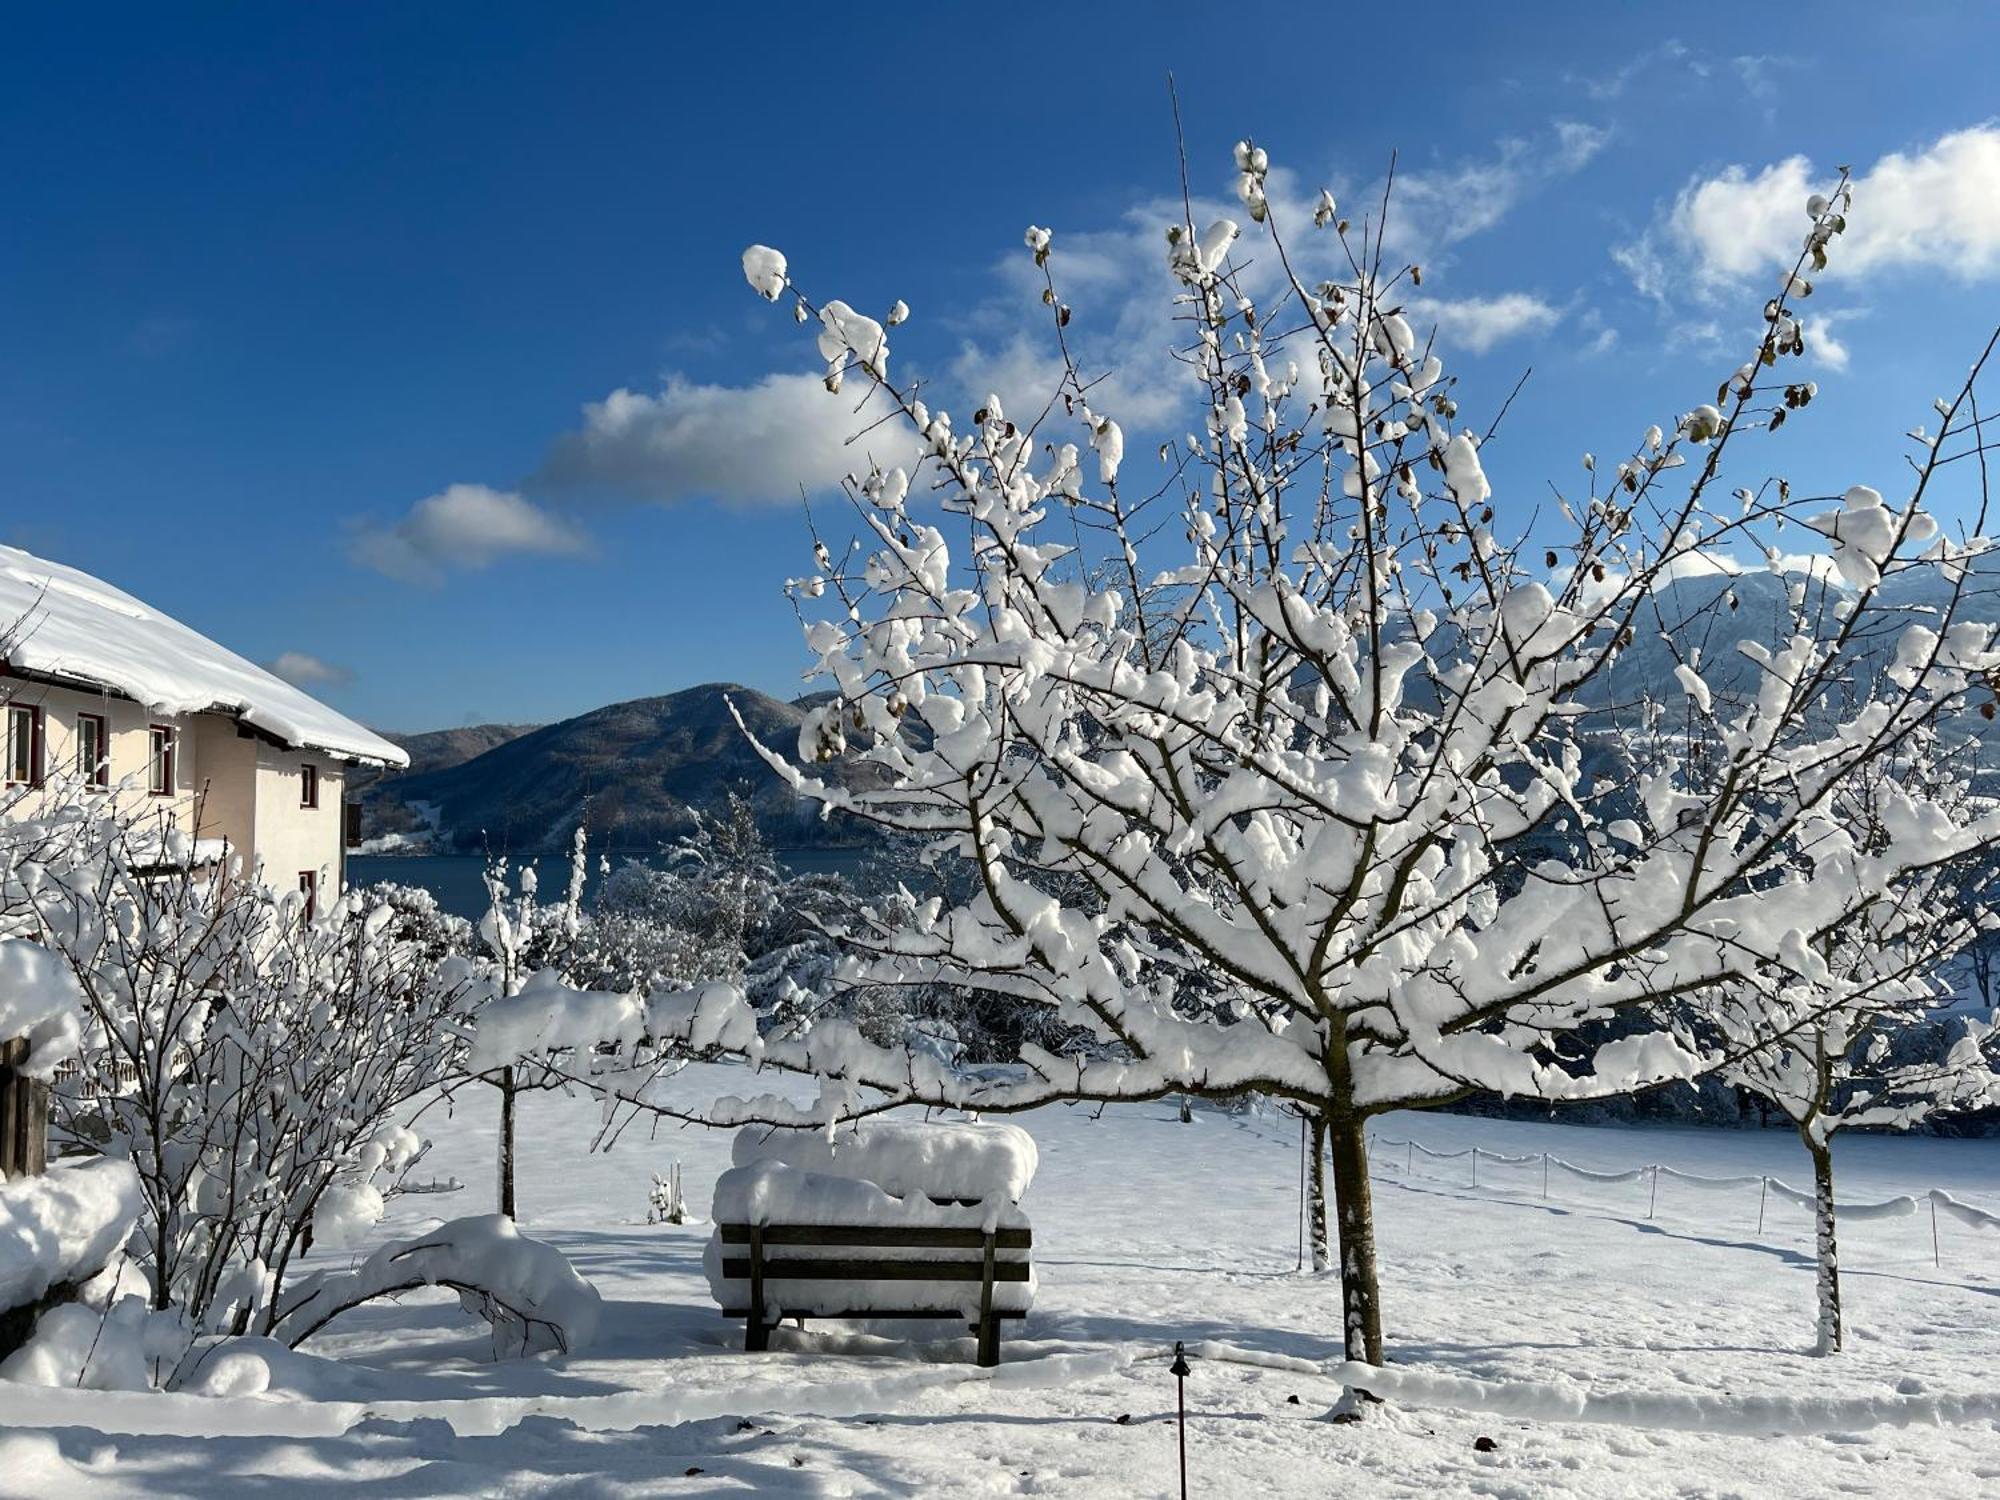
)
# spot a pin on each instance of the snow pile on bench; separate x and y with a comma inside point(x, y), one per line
point(770, 1192)
point(525, 1289)
point(62, 1227)
point(39, 1000)
point(943, 1160)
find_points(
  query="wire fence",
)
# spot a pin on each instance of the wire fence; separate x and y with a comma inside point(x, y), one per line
point(1550, 1174)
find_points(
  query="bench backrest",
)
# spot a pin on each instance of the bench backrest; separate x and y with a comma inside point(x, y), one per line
point(756, 1253)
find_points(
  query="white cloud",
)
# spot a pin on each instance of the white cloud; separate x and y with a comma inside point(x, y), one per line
point(467, 526)
point(1613, 84)
point(1435, 208)
point(1577, 142)
point(760, 442)
point(1824, 344)
point(1682, 69)
point(771, 438)
point(303, 669)
point(1476, 324)
point(1936, 208)
point(1127, 328)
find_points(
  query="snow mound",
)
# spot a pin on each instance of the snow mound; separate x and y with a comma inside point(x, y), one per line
point(935, 1158)
point(39, 1000)
point(63, 1226)
point(524, 1288)
point(61, 622)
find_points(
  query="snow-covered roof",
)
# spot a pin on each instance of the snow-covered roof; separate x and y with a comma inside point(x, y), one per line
point(58, 621)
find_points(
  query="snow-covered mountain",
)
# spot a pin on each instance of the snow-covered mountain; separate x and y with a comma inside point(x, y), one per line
point(637, 771)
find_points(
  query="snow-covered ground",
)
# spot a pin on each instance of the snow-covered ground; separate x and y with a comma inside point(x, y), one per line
point(1602, 1353)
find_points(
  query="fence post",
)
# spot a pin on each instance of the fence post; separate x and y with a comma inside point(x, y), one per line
point(24, 1114)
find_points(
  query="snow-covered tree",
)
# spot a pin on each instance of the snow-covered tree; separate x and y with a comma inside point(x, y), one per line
point(1852, 1034)
point(522, 936)
point(1254, 758)
point(701, 914)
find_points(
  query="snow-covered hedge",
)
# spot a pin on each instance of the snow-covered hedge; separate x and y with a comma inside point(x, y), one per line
point(939, 1159)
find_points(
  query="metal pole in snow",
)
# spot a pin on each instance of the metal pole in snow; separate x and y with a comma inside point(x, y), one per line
point(1410, 1167)
point(1763, 1192)
point(1475, 1166)
point(1937, 1255)
point(1654, 1202)
point(1179, 1370)
point(1545, 1176)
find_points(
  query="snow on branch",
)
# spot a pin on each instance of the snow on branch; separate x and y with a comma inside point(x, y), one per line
point(525, 1289)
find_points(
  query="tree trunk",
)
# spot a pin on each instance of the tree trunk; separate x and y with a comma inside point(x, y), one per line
point(1354, 1210)
point(507, 1142)
point(1829, 1252)
point(1322, 1255)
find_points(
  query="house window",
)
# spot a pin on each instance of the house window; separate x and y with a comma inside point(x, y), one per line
point(309, 888)
point(161, 764)
point(93, 752)
point(24, 744)
point(308, 786)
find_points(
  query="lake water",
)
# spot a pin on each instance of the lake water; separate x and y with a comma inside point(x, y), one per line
point(459, 880)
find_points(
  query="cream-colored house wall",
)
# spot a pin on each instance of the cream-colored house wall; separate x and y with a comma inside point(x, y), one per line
point(290, 838)
point(128, 730)
point(227, 785)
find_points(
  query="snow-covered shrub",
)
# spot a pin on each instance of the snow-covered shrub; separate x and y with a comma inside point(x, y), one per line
point(248, 1061)
point(417, 918)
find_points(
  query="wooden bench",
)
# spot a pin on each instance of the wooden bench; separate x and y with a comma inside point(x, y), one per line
point(802, 1287)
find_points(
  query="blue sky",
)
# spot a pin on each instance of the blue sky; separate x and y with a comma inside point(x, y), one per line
point(271, 279)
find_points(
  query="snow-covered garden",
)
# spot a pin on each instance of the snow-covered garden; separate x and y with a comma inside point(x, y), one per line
point(1255, 812)
point(1601, 1351)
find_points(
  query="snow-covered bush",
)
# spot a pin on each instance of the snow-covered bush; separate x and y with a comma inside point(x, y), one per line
point(248, 1061)
point(417, 918)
